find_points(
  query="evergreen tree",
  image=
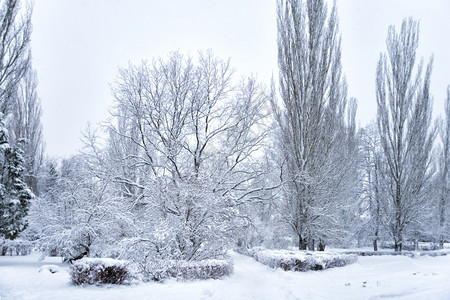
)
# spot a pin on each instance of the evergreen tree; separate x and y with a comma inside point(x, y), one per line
point(14, 194)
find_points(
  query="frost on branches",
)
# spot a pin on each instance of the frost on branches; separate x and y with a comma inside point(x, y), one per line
point(317, 129)
point(76, 215)
point(180, 158)
point(183, 154)
point(406, 131)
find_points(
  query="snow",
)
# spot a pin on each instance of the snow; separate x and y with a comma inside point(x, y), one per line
point(107, 262)
point(49, 268)
point(373, 277)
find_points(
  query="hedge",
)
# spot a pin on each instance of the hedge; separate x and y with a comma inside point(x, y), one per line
point(158, 270)
point(100, 271)
point(300, 260)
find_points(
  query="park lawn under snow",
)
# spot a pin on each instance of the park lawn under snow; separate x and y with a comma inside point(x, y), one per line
point(372, 277)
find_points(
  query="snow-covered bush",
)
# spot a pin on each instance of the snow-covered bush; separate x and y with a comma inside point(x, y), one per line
point(15, 247)
point(435, 253)
point(303, 261)
point(100, 271)
point(77, 215)
point(158, 270)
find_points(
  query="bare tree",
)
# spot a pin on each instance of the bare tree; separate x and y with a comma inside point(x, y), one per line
point(404, 124)
point(185, 142)
point(311, 117)
point(15, 32)
point(26, 127)
point(443, 173)
point(374, 191)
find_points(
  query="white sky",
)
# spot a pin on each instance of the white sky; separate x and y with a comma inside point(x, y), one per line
point(78, 46)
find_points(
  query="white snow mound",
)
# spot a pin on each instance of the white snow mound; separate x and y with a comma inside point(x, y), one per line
point(49, 269)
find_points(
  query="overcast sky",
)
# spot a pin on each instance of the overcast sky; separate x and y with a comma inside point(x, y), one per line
point(78, 46)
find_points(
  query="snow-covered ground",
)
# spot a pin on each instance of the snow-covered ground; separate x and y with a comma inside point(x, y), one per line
point(373, 277)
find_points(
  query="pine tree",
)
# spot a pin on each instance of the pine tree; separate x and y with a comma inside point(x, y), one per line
point(14, 194)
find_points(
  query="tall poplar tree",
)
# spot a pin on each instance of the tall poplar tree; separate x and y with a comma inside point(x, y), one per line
point(404, 124)
point(443, 178)
point(316, 142)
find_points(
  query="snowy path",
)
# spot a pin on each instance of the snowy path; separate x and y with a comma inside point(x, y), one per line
point(382, 277)
point(252, 280)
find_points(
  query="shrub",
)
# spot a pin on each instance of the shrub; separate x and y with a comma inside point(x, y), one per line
point(158, 270)
point(303, 261)
point(435, 253)
point(15, 247)
point(205, 269)
point(379, 253)
point(100, 271)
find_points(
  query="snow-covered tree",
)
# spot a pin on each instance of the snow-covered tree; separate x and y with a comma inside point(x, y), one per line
point(76, 215)
point(14, 193)
point(317, 143)
point(50, 176)
point(15, 32)
point(443, 175)
point(404, 125)
point(25, 125)
point(374, 187)
point(185, 143)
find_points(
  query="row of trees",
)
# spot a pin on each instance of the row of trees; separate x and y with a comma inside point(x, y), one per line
point(391, 167)
point(192, 161)
point(405, 155)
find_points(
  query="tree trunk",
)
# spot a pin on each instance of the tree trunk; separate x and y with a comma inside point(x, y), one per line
point(321, 246)
point(311, 245)
point(375, 240)
point(78, 257)
point(301, 243)
point(398, 246)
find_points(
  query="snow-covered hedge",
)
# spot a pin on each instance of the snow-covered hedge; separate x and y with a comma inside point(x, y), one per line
point(379, 253)
point(435, 253)
point(15, 247)
point(411, 254)
point(303, 261)
point(100, 271)
point(158, 270)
